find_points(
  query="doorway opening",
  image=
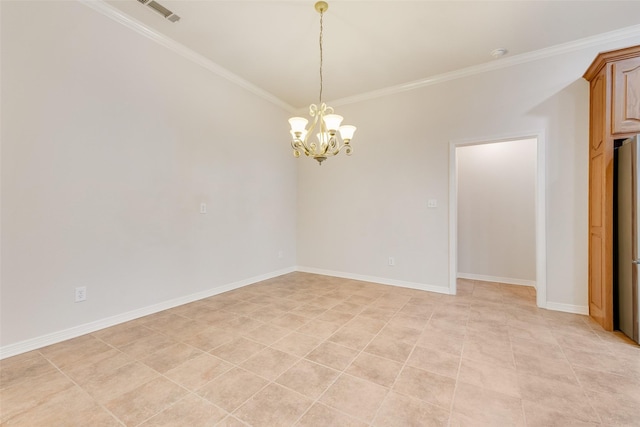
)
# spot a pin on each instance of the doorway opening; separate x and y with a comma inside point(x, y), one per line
point(501, 219)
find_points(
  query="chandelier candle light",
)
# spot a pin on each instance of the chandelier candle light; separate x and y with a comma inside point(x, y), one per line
point(326, 125)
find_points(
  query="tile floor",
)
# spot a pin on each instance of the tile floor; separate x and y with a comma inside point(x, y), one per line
point(310, 350)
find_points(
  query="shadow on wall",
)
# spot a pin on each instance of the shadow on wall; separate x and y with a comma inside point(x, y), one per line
point(567, 151)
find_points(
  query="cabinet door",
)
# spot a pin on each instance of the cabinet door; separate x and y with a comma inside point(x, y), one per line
point(626, 96)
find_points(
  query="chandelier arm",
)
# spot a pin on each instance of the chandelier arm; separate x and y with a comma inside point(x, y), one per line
point(310, 147)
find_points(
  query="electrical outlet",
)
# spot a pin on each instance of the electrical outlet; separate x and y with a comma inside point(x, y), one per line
point(203, 208)
point(392, 261)
point(280, 254)
point(432, 203)
point(81, 293)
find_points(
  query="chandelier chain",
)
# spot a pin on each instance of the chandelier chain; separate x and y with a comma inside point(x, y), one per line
point(321, 15)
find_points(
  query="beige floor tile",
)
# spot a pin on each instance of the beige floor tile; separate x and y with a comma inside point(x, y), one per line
point(409, 321)
point(321, 415)
point(290, 321)
point(28, 394)
point(70, 407)
point(147, 344)
point(389, 348)
point(541, 416)
point(232, 389)
point(375, 369)
point(121, 335)
point(69, 352)
point(400, 334)
point(215, 317)
point(273, 406)
point(488, 406)
point(297, 344)
point(349, 307)
point(195, 373)
point(23, 368)
point(493, 377)
point(210, 338)
point(556, 369)
point(381, 314)
point(332, 355)
point(238, 350)
point(170, 357)
point(97, 365)
point(435, 361)
point(507, 350)
point(308, 310)
point(362, 300)
point(266, 314)
point(615, 409)
point(446, 341)
point(243, 308)
point(432, 388)
point(557, 396)
point(267, 334)
point(308, 378)
point(489, 351)
point(240, 325)
point(190, 411)
point(403, 411)
point(352, 337)
point(366, 324)
point(319, 329)
point(546, 350)
point(354, 396)
point(178, 327)
point(418, 310)
point(231, 421)
point(114, 383)
point(605, 382)
point(269, 363)
point(336, 317)
point(145, 401)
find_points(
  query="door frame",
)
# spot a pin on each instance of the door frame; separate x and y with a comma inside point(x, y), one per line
point(540, 207)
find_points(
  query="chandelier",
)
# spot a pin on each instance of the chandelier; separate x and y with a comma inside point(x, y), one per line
point(325, 137)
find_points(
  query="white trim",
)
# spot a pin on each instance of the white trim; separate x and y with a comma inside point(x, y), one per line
point(76, 331)
point(507, 280)
point(540, 206)
point(374, 279)
point(592, 41)
point(131, 23)
point(568, 308)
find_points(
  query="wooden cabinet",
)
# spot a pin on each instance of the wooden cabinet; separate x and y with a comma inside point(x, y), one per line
point(614, 114)
point(626, 96)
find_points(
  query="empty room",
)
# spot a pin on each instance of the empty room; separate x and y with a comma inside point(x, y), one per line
point(291, 213)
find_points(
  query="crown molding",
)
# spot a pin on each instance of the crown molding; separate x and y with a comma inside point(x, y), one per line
point(118, 16)
point(587, 42)
point(592, 41)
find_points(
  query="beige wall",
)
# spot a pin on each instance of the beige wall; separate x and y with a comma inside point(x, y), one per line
point(374, 204)
point(496, 211)
point(110, 142)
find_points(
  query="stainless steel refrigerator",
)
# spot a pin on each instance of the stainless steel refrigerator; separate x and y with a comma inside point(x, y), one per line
point(627, 297)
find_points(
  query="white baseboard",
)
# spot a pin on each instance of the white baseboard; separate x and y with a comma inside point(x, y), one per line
point(76, 331)
point(568, 308)
point(373, 279)
point(507, 280)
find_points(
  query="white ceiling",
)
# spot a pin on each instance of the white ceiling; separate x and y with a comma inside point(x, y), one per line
point(370, 45)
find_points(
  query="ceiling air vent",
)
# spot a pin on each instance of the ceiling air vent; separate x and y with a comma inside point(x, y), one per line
point(161, 10)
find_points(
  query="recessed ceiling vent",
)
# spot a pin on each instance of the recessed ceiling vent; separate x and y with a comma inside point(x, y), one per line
point(161, 10)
